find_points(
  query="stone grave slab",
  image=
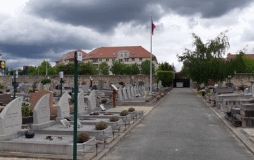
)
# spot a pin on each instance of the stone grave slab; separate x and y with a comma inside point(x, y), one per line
point(63, 107)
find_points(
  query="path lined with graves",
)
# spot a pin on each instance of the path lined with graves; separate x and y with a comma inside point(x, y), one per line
point(180, 127)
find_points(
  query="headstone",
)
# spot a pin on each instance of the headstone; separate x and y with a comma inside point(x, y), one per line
point(100, 84)
point(132, 92)
point(81, 104)
point(35, 97)
point(125, 96)
point(63, 107)
point(120, 94)
point(91, 99)
point(11, 117)
point(102, 107)
point(41, 111)
point(129, 92)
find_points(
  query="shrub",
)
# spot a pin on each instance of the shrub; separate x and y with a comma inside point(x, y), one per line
point(114, 118)
point(124, 113)
point(45, 81)
point(131, 109)
point(26, 111)
point(82, 137)
point(101, 125)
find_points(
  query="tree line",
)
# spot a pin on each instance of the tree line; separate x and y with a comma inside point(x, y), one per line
point(206, 63)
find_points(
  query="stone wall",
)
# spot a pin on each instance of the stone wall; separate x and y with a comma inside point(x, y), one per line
point(7, 80)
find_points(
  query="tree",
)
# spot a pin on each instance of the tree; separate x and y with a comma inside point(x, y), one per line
point(87, 68)
point(134, 69)
point(104, 68)
point(118, 68)
point(165, 66)
point(205, 62)
point(145, 67)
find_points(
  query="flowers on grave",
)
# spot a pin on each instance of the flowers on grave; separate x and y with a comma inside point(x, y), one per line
point(101, 125)
point(124, 113)
point(114, 118)
point(107, 113)
point(82, 137)
point(26, 111)
point(131, 109)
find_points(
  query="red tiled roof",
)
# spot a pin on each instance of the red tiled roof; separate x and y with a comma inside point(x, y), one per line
point(111, 52)
point(70, 55)
point(232, 56)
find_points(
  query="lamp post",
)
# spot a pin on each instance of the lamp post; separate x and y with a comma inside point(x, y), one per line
point(61, 75)
point(91, 81)
point(229, 78)
point(15, 75)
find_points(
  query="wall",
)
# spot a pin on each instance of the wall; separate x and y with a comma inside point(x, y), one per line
point(70, 79)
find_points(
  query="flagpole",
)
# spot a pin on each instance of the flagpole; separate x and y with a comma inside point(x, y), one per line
point(151, 57)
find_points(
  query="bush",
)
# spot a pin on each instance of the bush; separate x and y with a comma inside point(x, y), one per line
point(45, 81)
point(82, 137)
point(101, 125)
point(124, 113)
point(131, 109)
point(114, 118)
point(26, 111)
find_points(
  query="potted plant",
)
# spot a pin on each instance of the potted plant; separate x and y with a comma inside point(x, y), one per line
point(124, 113)
point(131, 109)
point(27, 114)
point(101, 125)
point(82, 137)
point(114, 118)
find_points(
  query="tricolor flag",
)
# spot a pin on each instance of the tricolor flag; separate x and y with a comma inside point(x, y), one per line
point(153, 27)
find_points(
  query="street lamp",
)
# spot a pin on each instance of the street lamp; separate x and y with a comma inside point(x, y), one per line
point(15, 75)
point(61, 75)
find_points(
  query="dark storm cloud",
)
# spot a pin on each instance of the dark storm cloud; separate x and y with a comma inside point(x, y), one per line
point(103, 15)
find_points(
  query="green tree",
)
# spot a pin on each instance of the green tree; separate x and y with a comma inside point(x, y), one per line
point(204, 63)
point(118, 68)
point(165, 66)
point(145, 67)
point(68, 69)
point(87, 68)
point(134, 69)
point(104, 68)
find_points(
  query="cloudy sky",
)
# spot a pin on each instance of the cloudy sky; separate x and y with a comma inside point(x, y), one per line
point(34, 30)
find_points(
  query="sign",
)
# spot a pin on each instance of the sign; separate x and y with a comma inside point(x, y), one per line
point(2, 64)
point(79, 56)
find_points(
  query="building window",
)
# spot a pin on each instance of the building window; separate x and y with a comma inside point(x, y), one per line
point(95, 60)
point(133, 59)
point(100, 60)
point(121, 55)
point(126, 59)
point(120, 60)
point(113, 60)
point(125, 55)
point(140, 59)
point(106, 60)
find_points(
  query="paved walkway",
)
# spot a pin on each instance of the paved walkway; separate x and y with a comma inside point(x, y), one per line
point(181, 127)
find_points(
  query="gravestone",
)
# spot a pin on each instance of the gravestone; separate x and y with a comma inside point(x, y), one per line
point(125, 96)
point(120, 94)
point(132, 92)
point(129, 92)
point(100, 84)
point(41, 113)
point(91, 100)
point(81, 104)
point(11, 117)
point(35, 97)
point(63, 107)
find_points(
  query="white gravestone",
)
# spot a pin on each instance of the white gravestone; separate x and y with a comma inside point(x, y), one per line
point(81, 104)
point(11, 117)
point(92, 99)
point(125, 96)
point(41, 112)
point(120, 95)
point(63, 107)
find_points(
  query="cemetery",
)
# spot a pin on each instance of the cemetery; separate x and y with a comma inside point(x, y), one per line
point(236, 103)
point(38, 118)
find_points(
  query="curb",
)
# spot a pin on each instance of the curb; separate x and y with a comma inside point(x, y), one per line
point(240, 136)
